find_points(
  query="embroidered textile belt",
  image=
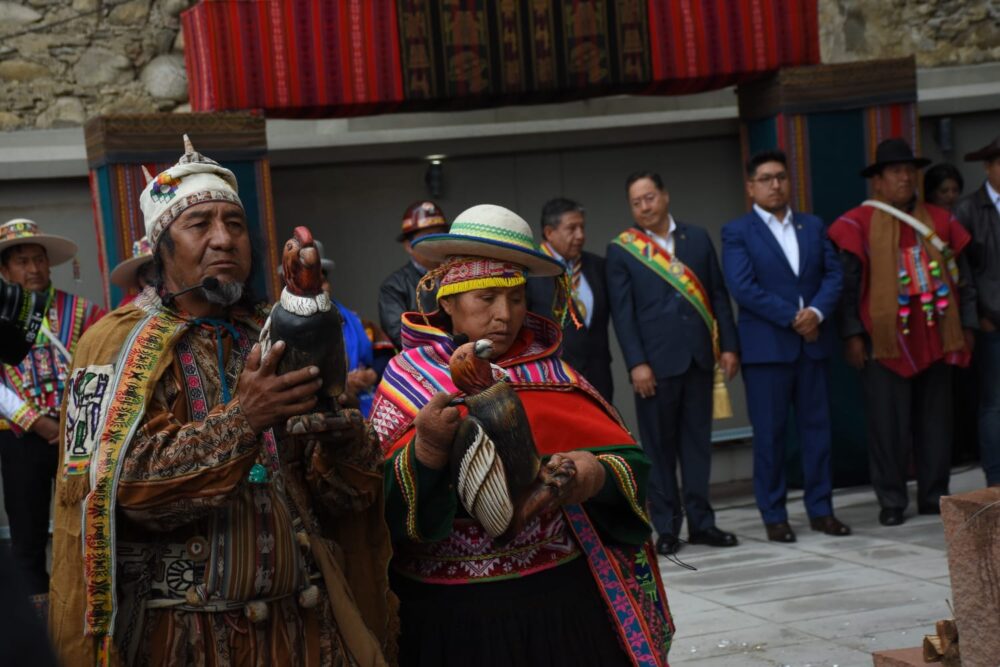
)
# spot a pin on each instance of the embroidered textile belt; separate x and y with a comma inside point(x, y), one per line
point(175, 574)
point(468, 555)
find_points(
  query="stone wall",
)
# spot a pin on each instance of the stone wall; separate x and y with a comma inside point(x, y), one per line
point(62, 61)
point(937, 32)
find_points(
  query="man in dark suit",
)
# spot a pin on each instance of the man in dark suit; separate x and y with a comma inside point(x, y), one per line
point(674, 322)
point(786, 277)
point(979, 213)
point(398, 292)
point(585, 348)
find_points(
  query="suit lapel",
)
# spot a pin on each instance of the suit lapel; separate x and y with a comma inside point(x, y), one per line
point(764, 233)
point(800, 237)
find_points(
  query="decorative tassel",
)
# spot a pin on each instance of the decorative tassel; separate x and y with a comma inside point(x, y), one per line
point(194, 597)
point(256, 611)
point(73, 489)
point(302, 537)
point(309, 596)
point(722, 408)
point(76, 269)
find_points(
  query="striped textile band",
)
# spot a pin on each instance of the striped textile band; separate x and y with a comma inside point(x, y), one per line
point(406, 477)
point(626, 482)
point(465, 274)
point(145, 348)
point(494, 233)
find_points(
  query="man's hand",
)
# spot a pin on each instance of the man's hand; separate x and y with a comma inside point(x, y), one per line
point(361, 380)
point(970, 339)
point(854, 352)
point(268, 399)
point(730, 362)
point(806, 324)
point(436, 424)
point(46, 428)
point(643, 380)
point(589, 478)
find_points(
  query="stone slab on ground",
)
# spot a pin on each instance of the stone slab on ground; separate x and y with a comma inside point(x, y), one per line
point(972, 528)
point(903, 657)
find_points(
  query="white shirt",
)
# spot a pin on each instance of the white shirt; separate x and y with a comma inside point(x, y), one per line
point(784, 234)
point(994, 196)
point(665, 242)
point(584, 294)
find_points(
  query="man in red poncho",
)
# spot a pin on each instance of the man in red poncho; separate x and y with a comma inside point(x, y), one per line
point(907, 313)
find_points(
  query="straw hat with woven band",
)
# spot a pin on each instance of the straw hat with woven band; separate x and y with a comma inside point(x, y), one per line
point(490, 231)
point(21, 231)
point(125, 275)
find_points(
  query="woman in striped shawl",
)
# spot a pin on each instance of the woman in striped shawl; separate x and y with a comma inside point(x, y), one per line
point(577, 585)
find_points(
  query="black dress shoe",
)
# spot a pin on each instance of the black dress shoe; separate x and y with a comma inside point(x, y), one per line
point(714, 537)
point(667, 545)
point(780, 532)
point(891, 516)
point(830, 525)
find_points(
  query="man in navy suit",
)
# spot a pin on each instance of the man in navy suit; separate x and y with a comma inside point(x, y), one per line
point(585, 348)
point(785, 275)
point(673, 319)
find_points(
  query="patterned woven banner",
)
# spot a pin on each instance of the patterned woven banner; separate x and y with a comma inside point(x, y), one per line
point(346, 57)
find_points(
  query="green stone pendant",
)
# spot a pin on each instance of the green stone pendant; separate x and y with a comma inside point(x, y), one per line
point(258, 474)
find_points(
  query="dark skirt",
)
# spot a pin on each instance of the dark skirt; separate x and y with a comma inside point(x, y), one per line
point(552, 618)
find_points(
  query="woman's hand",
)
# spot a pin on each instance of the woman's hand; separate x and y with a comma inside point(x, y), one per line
point(589, 478)
point(436, 424)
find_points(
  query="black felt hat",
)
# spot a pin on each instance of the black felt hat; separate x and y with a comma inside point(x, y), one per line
point(986, 153)
point(893, 151)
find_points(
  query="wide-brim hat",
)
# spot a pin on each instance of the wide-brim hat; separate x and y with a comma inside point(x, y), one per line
point(893, 151)
point(490, 231)
point(21, 231)
point(988, 152)
point(124, 275)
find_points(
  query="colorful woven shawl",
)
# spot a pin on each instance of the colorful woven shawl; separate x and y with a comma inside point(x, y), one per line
point(421, 370)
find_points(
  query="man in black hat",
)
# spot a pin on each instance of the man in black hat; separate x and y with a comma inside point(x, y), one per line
point(979, 213)
point(908, 311)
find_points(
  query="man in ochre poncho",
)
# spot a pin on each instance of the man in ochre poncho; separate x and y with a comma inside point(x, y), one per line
point(190, 528)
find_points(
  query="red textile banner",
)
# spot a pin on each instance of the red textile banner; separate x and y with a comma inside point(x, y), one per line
point(347, 57)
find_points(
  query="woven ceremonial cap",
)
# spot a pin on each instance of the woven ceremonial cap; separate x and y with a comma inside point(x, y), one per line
point(124, 275)
point(21, 231)
point(195, 179)
point(493, 232)
point(422, 215)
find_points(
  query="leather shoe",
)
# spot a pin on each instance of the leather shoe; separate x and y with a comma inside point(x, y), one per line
point(780, 532)
point(714, 537)
point(667, 545)
point(830, 525)
point(891, 516)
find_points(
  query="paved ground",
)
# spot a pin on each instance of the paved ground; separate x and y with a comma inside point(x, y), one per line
point(821, 601)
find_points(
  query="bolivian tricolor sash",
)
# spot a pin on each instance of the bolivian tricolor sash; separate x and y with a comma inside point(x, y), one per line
point(677, 274)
